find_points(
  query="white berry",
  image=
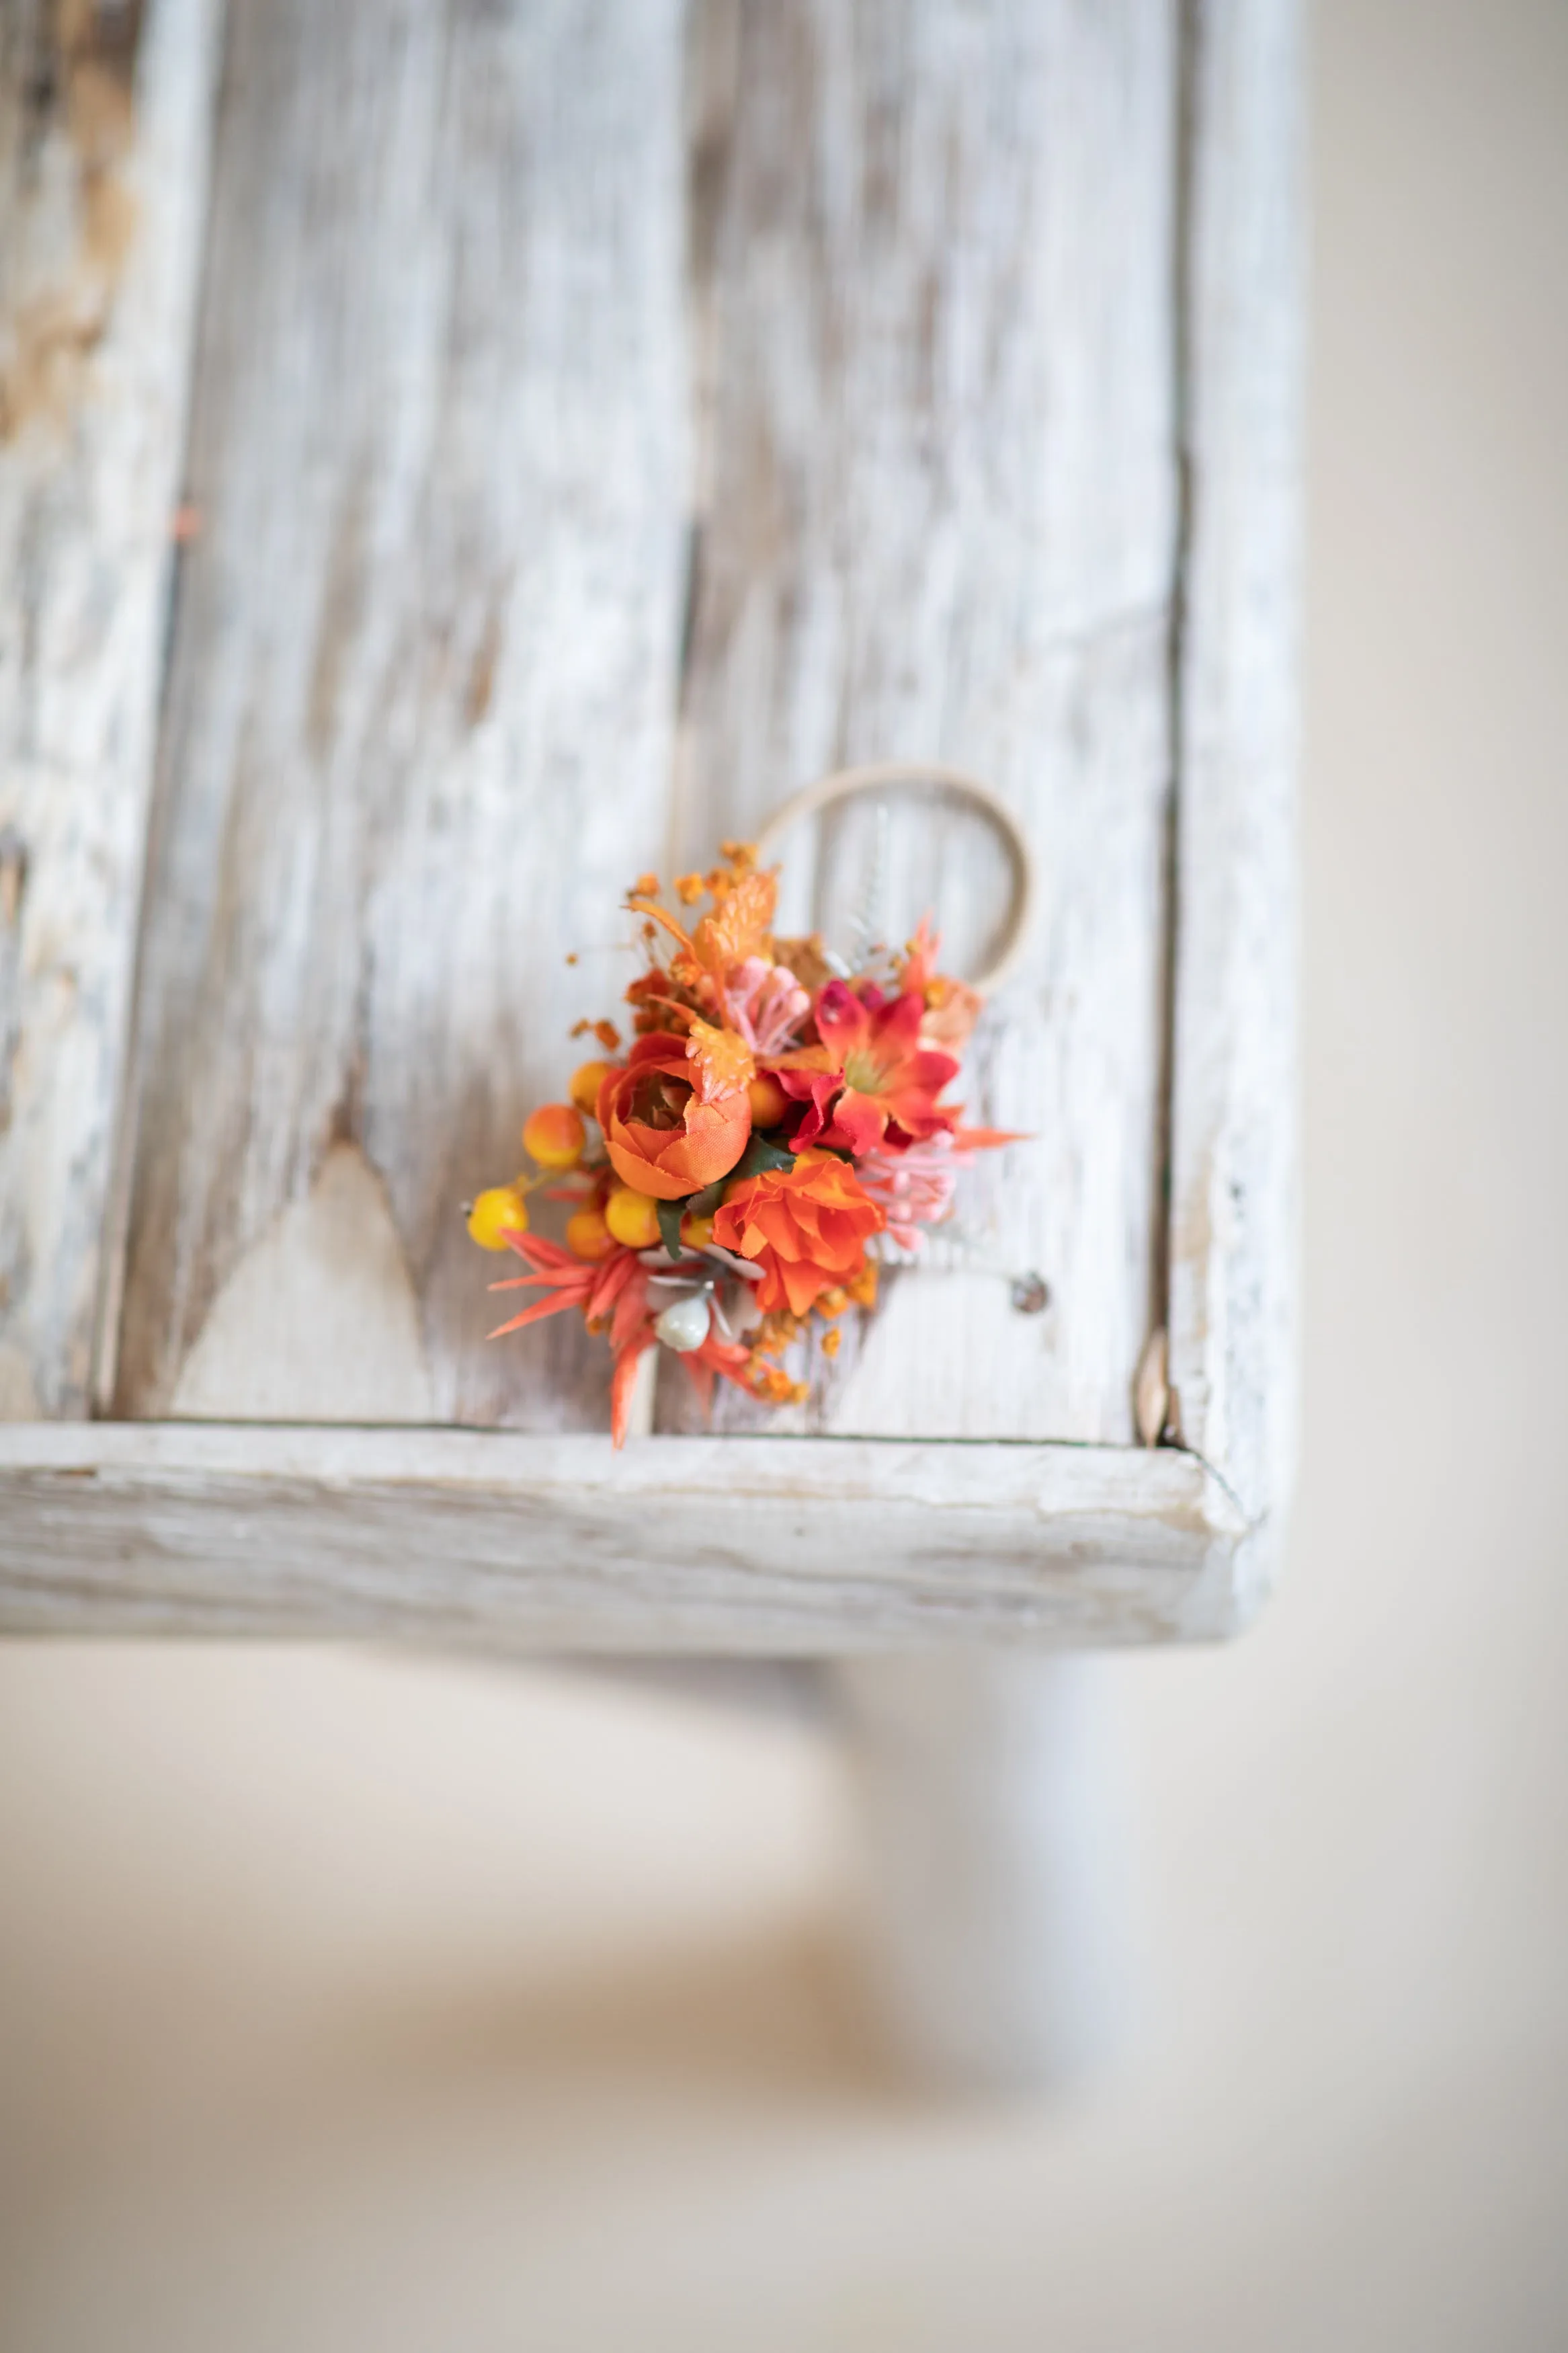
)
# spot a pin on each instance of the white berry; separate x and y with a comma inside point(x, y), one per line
point(684, 1323)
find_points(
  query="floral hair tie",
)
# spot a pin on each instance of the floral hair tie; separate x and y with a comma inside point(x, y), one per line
point(779, 1126)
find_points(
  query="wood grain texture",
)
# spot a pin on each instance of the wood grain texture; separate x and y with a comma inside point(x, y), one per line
point(104, 119)
point(427, 658)
point(1233, 1209)
point(461, 385)
point(418, 739)
point(734, 1544)
point(936, 337)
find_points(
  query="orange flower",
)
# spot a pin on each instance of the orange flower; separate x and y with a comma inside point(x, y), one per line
point(805, 1226)
point(740, 924)
point(724, 1060)
point(737, 927)
point(671, 1128)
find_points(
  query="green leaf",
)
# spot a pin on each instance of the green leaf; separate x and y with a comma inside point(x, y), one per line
point(671, 1213)
point(763, 1152)
point(704, 1204)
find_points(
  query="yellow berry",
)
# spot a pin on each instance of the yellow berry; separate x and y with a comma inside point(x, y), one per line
point(768, 1100)
point(554, 1135)
point(697, 1232)
point(586, 1080)
point(832, 1303)
point(496, 1213)
point(632, 1217)
point(587, 1235)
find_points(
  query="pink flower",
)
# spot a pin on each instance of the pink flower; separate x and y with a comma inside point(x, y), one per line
point(915, 1186)
point(882, 1077)
point(765, 1003)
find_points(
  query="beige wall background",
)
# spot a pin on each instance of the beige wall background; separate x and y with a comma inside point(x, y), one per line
point(354, 2002)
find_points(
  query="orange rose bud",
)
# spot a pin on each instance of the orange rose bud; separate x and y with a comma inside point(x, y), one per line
point(768, 1099)
point(554, 1135)
point(662, 1137)
point(588, 1235)
point(586, 1080)
point(805, 1226)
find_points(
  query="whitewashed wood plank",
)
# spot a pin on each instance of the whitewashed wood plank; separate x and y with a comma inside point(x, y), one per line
point(1233, 1212)
point(771, 1546)
point(104, 125)
point(934, 263)
point(422, 698)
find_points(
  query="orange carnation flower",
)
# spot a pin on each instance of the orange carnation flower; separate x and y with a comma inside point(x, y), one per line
point(670, 1127)
point(805, 1226)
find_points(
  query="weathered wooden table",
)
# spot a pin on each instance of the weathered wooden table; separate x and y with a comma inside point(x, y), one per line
point(455, 454)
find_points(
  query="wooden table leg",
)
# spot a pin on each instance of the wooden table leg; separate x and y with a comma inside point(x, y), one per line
point(991, 1871)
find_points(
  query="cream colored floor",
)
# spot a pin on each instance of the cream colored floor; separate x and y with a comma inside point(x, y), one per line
point(350, 2004)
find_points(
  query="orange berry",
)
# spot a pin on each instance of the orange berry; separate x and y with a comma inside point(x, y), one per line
point(587, 1235)
point(554, 1135)
point(586, 1080)
point(832, 1342)
point(495, 1214)
point(768, 1101)
point(632, 1217)
point(697, 1232)
point(833, 1303)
